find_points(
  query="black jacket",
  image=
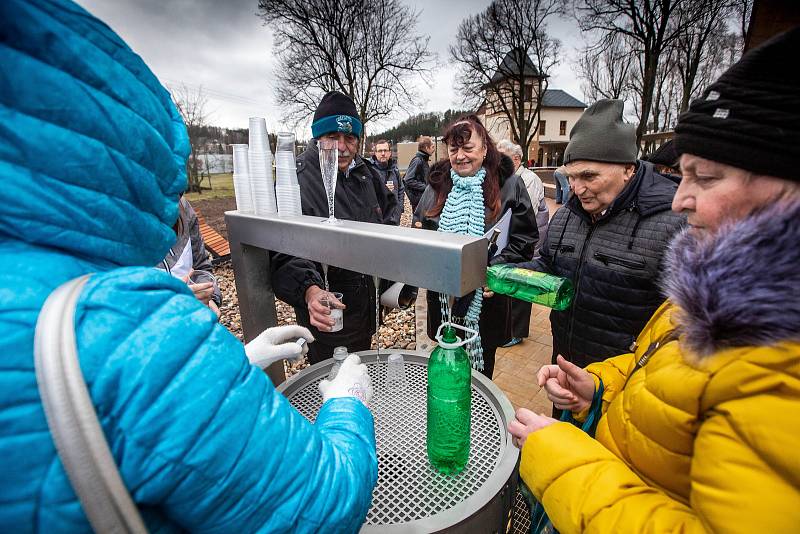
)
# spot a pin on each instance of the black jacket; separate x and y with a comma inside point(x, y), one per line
point(361, 195)
point(390, 173)
point(416, 178)
point(495, 323)
point(615, 264)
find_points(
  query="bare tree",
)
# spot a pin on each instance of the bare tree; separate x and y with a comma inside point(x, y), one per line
point(192, 106)
point(703, 50)
point(606, 69)
point(366, 49)
point(742, 10)
point(650, 27)
point(698, 44)
point(505, 56)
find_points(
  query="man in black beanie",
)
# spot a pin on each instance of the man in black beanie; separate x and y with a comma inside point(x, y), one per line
point(608, 238)
point(361, 195)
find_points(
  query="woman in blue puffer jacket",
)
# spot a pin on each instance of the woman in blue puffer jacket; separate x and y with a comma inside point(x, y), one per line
point(92, 155)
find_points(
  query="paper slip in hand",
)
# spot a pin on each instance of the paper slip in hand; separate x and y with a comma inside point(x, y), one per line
point(503, 226)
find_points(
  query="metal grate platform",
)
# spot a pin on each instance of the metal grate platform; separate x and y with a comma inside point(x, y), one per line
point(409, 491)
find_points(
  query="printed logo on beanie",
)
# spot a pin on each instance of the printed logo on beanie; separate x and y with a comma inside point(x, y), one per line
point(721, 113)
point(345, 123)
point(712, 95)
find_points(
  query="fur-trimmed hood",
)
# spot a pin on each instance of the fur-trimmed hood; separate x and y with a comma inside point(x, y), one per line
point(740, 287)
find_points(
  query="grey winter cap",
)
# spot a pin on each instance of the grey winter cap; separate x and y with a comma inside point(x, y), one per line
point(601, 135)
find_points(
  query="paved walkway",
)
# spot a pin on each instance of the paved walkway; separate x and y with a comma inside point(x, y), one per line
point(515, 368)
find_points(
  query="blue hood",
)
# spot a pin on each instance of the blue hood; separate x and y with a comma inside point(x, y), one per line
point(106, 188)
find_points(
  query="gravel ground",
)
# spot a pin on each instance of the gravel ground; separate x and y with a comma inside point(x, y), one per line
point(397, 330)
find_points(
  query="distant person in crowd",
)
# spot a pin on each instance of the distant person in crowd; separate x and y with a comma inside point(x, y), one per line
point(452, 203)
point(699, 421)
point(416, 177)
point(665, 159)
point(188, 254)
point(521, 310)
point(361, 195)
point(609, 238)
point(200, 437)
point(562, 184)
point(386, 166)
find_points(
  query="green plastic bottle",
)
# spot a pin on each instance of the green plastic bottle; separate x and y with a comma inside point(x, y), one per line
point(449, 406)
point(545, 289)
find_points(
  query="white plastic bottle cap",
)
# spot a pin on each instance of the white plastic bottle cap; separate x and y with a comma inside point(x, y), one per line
point(340, 353)
point(395, 357)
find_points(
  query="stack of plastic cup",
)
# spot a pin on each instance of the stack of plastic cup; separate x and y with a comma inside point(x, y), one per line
point(241, 180)
point(287, 189)
point(259, 159)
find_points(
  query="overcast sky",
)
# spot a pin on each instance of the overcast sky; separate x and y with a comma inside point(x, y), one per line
point(224, 47)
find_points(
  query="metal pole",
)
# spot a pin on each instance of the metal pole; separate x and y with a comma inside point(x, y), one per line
point(256, 298)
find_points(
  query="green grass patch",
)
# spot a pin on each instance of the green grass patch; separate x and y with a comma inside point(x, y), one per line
point(221, 187)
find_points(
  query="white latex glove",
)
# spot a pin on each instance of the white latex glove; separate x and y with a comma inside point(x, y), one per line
point(277, 343)
point(352, 380)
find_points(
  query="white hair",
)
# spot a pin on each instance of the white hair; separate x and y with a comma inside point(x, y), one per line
point(511, 148)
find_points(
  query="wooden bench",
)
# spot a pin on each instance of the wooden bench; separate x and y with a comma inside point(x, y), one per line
point(217, 246)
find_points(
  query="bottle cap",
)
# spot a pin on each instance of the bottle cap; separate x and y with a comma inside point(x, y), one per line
point(395, 357)
point(458, 343)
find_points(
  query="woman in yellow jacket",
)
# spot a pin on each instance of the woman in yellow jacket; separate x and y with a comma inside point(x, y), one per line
point(701, 421)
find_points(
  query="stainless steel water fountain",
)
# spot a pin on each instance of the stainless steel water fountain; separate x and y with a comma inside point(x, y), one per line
point(410, 495)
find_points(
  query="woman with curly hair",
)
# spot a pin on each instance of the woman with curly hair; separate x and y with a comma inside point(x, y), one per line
point(467, 194)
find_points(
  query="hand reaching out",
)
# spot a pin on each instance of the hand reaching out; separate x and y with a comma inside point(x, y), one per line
point(352, 380)
point(568, 386)
point(525, 422)
point(319, 314)
point(277, 343)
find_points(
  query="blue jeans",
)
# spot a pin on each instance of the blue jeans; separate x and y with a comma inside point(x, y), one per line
point(562, 187)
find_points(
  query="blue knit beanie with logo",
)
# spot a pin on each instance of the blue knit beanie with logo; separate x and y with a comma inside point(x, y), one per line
point(336, 113)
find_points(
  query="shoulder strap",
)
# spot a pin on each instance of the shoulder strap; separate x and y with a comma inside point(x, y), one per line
point(72, 419)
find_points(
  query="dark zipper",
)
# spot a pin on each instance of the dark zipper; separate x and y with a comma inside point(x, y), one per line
point(607, 258)
point(578, 287)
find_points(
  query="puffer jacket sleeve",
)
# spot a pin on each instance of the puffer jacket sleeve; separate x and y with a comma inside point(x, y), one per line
point(202, 435)
point(586, 488)
point(543, 263)
point(743, 475)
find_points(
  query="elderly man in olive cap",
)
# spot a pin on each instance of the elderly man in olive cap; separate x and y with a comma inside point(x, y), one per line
point(361, 195)
point(609, 238)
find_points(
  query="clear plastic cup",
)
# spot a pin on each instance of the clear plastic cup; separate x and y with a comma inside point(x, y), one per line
point(202, 277)
point(336, 313)
point(395, 374)
point(285, 142)
point(240, 158)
